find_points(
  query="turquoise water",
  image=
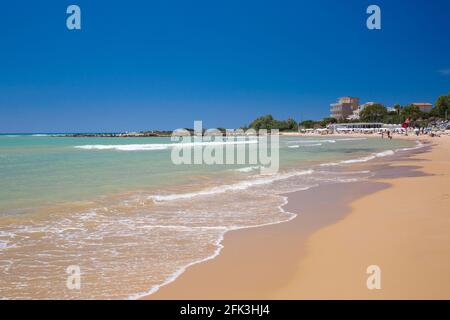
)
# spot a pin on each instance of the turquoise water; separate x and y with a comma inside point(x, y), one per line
point(131, 219)
point(40, 170)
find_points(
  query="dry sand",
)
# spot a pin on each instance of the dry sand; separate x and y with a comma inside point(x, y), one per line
point(400, 222)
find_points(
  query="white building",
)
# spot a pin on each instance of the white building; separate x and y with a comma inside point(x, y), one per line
point(344, 107)
point(369, 127)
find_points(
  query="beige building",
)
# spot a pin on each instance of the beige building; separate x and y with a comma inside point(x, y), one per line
point(423, 106)
point(344, 108)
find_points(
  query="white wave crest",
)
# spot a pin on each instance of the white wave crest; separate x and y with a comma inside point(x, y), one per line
point(124, 147)
point(384, 153)
point(296, 146)
point(351, 139)
point(362, 159)
point(242, 185)
point(313, 141)
point(158, 146)
point(247, 169)
point(417, 146)
point(312, 145)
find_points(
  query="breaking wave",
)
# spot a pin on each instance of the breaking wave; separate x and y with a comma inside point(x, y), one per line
point(159, 146)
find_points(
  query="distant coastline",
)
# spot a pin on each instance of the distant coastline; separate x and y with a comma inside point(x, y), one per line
point(141, 134)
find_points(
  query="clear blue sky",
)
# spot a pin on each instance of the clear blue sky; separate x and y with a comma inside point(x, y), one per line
point(161, 64)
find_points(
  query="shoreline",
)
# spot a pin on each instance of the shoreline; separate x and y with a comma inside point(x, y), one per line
point(241, 249)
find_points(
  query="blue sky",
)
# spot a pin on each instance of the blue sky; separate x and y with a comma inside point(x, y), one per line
point(162, 64)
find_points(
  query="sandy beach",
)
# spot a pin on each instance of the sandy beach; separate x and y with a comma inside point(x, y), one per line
point(399, 221)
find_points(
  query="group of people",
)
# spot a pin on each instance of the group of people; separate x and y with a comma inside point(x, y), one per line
point(418, 131)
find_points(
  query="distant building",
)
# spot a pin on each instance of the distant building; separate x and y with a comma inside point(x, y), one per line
point(423, 106)
point(363, 127)
point(344, 107)
point(357, 112)
point(391, 109)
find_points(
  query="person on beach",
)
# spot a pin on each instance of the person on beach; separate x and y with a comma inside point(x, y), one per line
point(382, 134)
point(405, 126)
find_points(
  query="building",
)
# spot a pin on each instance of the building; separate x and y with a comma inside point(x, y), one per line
point(423, 106)
point(364, 127)
point(344, 107)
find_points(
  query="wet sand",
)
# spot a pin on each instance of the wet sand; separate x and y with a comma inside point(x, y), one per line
point(340, 230)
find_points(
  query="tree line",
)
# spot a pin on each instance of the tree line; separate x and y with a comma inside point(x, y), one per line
point(269, 122)
point(372, 113)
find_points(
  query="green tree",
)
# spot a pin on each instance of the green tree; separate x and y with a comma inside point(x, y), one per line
point(412, 112)
point(264, 122)
point(327, 121)
point(391, 117)
point(395, 115)
point(269, 123)
point(373, 113)
point(397, 108)
point(291, 125)
point(442, 106)
point(308, 124)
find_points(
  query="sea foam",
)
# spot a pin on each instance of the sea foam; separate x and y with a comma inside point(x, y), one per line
point(242, 185)
point(248, 169)
point(361, 159)
point(159, 146)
